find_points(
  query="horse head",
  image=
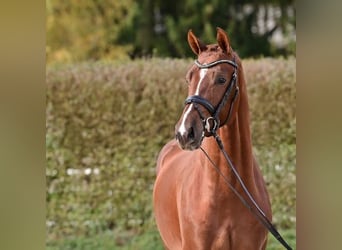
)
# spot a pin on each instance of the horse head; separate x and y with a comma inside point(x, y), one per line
point(212, 91)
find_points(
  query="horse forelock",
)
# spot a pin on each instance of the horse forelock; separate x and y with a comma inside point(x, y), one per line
point(214, 52)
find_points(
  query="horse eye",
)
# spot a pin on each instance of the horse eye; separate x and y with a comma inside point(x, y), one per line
point(221, 80)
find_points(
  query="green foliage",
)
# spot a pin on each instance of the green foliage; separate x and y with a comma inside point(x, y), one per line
point(146, 241)
point(288, 235)
point(86, 30)
point(119, 29)
point(106, 123)
point(111, 241)
point(247, 24)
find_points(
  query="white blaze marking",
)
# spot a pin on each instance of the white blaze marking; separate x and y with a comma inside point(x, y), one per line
point(203, 72)
point(182, 129)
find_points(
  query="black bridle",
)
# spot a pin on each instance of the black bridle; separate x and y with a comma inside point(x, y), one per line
point(212, 131)
point(215, 112)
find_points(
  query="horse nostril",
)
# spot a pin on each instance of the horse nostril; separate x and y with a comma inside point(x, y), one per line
point(185, 138)
point(191, 133)
point(177, 136)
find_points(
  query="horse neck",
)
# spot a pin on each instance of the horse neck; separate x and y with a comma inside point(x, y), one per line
point(236, 138)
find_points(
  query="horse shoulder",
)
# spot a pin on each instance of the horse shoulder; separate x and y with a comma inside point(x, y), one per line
point(165, 196)
point(166, 151)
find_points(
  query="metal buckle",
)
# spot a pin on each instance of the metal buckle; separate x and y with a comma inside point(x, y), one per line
point(207, 125)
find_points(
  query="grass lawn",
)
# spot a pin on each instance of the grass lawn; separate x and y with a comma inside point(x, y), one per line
point(149, 241)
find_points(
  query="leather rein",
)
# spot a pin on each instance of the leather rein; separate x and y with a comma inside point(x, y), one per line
point(211, 125)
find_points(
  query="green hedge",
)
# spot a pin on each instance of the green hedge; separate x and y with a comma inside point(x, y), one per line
point(106, 122)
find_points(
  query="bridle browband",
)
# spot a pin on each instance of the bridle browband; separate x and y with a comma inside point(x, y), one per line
point(209, 65)
point(215, 112)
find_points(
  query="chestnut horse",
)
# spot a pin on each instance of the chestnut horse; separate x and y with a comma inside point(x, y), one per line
point(194, 208)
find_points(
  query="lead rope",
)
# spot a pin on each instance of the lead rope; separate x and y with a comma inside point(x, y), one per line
point(261, 215)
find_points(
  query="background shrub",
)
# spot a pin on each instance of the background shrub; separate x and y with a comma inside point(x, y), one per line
point(106, 123)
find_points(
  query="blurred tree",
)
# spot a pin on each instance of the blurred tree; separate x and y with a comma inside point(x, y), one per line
point(115, 29)
point(251, 25)
point(83, 30)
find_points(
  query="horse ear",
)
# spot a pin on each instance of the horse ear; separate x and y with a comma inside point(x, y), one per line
point(222, 40)
point(195, 44)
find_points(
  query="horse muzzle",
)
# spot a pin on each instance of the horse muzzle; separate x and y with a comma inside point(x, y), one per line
point(189, 137)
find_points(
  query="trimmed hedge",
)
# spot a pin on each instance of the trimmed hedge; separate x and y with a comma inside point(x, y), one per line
point(106, 123)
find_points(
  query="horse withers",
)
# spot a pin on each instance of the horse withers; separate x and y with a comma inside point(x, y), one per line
point(194, 208)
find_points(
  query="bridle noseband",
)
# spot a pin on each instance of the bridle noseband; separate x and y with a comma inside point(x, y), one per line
point(215, 111)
